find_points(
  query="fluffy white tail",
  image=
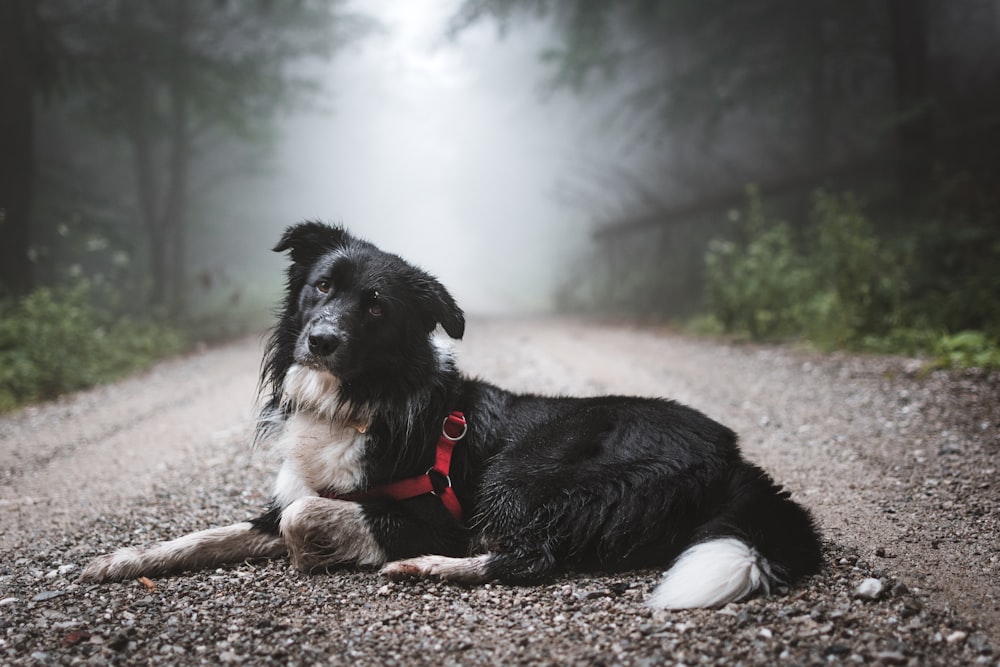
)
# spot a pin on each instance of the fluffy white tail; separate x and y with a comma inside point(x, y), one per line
point(711, 574)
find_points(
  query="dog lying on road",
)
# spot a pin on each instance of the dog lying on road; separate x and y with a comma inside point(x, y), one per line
point(393, 459)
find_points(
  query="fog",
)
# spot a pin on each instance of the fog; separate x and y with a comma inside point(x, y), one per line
point(446, 151)
point(175, 142)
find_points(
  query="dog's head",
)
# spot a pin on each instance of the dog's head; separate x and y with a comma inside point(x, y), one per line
point(363, 315)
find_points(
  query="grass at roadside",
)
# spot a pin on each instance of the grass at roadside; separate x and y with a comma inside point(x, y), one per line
point(56, 341)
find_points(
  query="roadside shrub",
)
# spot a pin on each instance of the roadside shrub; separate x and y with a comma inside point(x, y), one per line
point(756, 289)
point(56, 341)
point(913, 341)
point(835, 287)
point(859, 284)
point(957, 251)
point(965, 349)
point(762, 288)
point(840, 287)
point(968, 349)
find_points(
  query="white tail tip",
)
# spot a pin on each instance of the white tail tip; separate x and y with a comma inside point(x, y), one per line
point(711, 574)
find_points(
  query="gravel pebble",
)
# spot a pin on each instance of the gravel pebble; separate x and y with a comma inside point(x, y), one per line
point(869, 589)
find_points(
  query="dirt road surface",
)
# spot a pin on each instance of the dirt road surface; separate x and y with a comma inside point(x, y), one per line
point(899, 466)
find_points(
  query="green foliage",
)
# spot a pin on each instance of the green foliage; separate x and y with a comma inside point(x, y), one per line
point(755, 289)
point(958, 253)
point(968, 349)
point(903, 340)
point(762, 287)
point(769, 289)
point(55, 341)
point(965, 349)
point(164, 101)
point(840, 288)
point(858, 282)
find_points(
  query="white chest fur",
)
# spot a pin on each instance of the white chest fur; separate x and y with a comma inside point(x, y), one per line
point(320, 449)
point(318, 456)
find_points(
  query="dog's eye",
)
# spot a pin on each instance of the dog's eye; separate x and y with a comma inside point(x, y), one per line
point(375, 308)
point(323, 285)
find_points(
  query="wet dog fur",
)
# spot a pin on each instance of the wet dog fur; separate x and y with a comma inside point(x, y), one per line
point(359, 374)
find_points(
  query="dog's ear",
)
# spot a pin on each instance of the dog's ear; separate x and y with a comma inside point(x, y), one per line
point(442, 307)
point(450, 316)
point(309, 240)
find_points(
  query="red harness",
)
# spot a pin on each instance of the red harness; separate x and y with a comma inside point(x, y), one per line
point(435, 481)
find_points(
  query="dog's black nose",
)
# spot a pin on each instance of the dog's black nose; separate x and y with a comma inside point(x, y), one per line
point(323, 343)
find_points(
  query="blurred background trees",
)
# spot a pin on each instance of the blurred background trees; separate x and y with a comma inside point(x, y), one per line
point(117, 120)
point(154, 100)
point(897, 101)
point(26, 72)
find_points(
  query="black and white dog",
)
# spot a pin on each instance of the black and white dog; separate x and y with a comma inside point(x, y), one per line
point(393, 459)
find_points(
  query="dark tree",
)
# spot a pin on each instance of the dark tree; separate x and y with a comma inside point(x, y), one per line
point(896, 100)
point(172, 78)
point(915, 127)
point(778, 92)
point(159, 85)
point(25, 73)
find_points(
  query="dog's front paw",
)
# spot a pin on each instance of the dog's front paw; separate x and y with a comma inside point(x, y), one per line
point(116, 566)
point(399, 570)
point(472, 570)
point(321, 533)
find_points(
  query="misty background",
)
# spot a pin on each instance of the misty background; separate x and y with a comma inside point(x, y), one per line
point(769, 169)
point(443, 149)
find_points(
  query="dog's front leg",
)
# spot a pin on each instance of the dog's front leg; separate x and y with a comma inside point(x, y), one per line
point(320, 533)
point(206, 548)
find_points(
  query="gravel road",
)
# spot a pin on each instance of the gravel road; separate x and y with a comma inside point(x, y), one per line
point(899, 466)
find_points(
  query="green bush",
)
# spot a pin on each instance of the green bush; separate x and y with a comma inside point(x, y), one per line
point(956, 247)
point(903, 340)
point(859, 283)
point(839, 288)
point(967, 349)
point(755, 290)
point(762, 288)
point(55, 341)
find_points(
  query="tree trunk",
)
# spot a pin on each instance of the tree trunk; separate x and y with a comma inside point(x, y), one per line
point(915, 131)
point(18, 26)
point(175, 206)
point(139, 118)
point(816, 144)
point(146, 198)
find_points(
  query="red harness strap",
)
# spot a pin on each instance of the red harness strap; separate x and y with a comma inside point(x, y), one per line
point(436, 480)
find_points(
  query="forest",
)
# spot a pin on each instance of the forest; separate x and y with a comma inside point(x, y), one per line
point(117, 120)
point(823, 171)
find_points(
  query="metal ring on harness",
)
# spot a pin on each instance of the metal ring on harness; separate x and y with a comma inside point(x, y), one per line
point(444, 429)
point(444, 481)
